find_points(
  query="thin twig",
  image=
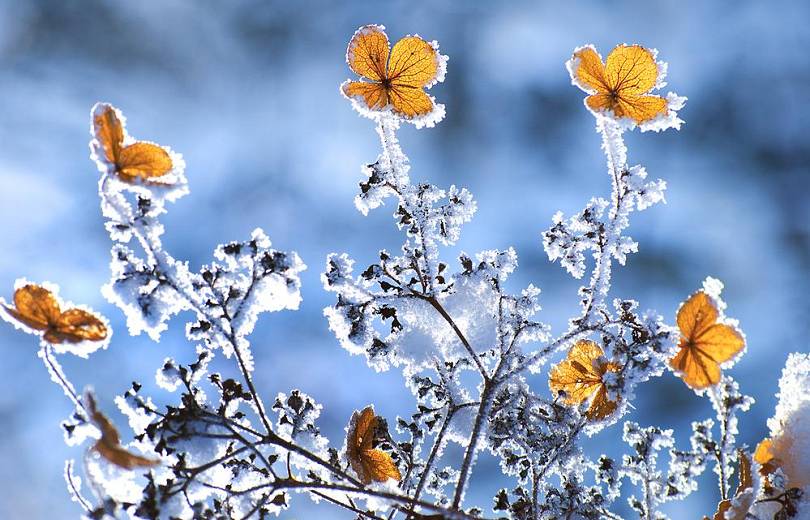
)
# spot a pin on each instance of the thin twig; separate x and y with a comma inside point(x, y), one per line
point(74, 488)
point(440, 309)
point(434, 451)
point(56, 369)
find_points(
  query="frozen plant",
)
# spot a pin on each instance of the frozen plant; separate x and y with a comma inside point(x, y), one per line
point(476, 357)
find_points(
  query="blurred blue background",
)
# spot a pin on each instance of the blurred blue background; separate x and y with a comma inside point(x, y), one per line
point(247, 90)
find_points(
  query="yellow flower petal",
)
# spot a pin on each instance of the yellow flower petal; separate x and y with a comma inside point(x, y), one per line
point(414, 63)
point(374, 95)
point(410, 102)
point(631, 70)
point(367, 53)
point(590, 70)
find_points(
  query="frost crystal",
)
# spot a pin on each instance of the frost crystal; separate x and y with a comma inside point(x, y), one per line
point(790, 425)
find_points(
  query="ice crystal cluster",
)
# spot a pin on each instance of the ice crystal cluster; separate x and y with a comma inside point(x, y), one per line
point(475, 356)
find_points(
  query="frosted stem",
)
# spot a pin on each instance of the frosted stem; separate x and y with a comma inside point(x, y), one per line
point(616, 154)
point(612, 143)
point(393, 157)
point(74, 484)
point(58, 376)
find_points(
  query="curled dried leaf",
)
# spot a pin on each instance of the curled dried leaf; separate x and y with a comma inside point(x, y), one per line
point(580, 376)
point(370, 464)
point(140, 160)
point(38, 308)
point(109, 445)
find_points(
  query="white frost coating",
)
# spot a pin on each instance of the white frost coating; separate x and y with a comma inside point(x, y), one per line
point(473, 306)
point(790, 425)
point(647, 193)
point(663, 69)
point(426, 336)
point(147, 303)
point(713, 287)
point(170, 186)
point(670, 119)
point(148, 299)
point(152, 289)
point(623, 246)
point(568, 241)
point(119, 484)
point(430, 216)
point(270, 293)
point(168, 376)
point(201, 445)
point(441, 64)
point(137, 416)
point(641, 469)
point(297, 415)
point(389, 174)
point(762, 509)
point(83, 349)
point(641, 363)
point(612, 143)
point(727, 402)
point(379, 504)
point(430, 119)
point(79, 433)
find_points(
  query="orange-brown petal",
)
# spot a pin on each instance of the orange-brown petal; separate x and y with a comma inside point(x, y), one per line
point(601, 406)
point(373, 95)
point(590, 70)
point(110, 132)
point(600, 102)
point(367, 54)
point(410, 102)
point(414, 63)
point(696, 369)
point(35, 306)
point(117, 455)
point(576, 375)
point(696, 314)
point(79, 325)
point(720, 342)
point(630, 70)
point(640, 108)
point(379, 466)
point(143, 160)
